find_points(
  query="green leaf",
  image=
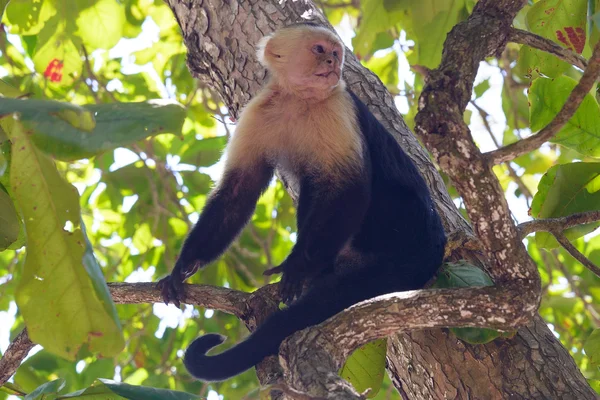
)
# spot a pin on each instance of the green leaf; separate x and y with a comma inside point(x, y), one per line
point(365, 367)
point(80, 120)
point(476, 335)
point(205, 152)
point(10, 223)
point(563, 21)
point(26, 17)
point(532, 63)
point(146, 393)
point(3, 4)
point(432, 20)
point(96, 392)
point(101, 25)
point(582, 132)
point(57, 55)
point(564, 190)
point(117, 124)
point(63, 304)
point(375, 19)
point(592, 347)
point(386, 68)
point(462, 274)
point(48, 388)
point(481, 88)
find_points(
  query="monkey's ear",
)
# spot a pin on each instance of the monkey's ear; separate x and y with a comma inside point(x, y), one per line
point(262, 50)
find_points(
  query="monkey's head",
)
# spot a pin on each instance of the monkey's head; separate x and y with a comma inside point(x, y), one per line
point(303, 56)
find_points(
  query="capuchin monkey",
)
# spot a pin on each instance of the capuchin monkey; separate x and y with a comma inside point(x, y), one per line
point(367, 225)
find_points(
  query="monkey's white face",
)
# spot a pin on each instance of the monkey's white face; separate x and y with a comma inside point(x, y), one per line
point(305, 60)
point(316, 65)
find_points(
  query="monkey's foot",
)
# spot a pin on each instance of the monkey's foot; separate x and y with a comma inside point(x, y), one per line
point(461, 239)
point(172, 290)
point(171, 286)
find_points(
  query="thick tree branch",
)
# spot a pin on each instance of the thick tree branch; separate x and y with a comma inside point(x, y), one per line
point(562, 239)
point(557, 224)
point(524, 146)
point(547, 45)
point(333, 341)
point(441, 125)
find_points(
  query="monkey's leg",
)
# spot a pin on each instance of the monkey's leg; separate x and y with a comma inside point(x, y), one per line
point(328, 218)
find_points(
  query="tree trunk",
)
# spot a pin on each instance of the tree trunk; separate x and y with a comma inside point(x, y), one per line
point(220, 37)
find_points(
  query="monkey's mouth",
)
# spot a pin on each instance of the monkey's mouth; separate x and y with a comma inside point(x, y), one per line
point(326, 74)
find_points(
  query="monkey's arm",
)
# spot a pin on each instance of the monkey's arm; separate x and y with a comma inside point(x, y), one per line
point(327, 218)
point(228, 209)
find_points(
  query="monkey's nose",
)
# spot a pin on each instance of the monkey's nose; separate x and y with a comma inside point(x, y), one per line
point(329, 61)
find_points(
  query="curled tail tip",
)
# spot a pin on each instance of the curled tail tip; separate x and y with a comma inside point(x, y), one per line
point(195, 359)
point(203, 344)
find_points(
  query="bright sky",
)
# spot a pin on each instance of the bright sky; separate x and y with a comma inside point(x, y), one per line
point(172, 316)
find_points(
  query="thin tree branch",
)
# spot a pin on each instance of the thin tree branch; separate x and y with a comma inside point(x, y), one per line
point(557, 224)
point(514, 150)
point(562, 239)
point(218, 298)
point(14, 355)
point(547, 45)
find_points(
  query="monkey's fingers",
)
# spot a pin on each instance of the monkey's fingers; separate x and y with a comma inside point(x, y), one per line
point(273, 271)
point(170, 290)
point(290, 289)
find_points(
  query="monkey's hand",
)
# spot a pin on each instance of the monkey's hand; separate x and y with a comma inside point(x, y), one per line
point(295, 274)
point(171, 286)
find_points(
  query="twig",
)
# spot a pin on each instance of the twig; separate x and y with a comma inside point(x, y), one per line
point(514, 150)
point(511, 171)
point(562, 239)
point(14, 355)
point(90, 71)
point(547, 45)
point(576, 289)
point(557, 225)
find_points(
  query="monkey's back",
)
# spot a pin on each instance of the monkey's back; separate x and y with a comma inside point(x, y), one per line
point(401, 219)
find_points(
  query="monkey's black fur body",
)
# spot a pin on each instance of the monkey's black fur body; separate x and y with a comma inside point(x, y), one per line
point(387, 213)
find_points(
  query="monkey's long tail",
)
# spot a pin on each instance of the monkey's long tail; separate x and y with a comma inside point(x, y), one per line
point(328, 297)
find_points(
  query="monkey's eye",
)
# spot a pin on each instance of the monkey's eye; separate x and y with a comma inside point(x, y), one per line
point(319, 49)
point(335, 53)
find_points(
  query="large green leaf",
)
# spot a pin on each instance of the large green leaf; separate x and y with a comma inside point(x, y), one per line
point(582, 131)
point(146, 393)
point(563, 21)
point(564, 190)
point(62, 294)
point(117, 124)
point(365, 368)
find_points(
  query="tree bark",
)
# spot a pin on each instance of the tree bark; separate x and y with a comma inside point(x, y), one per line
point(220, 37)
